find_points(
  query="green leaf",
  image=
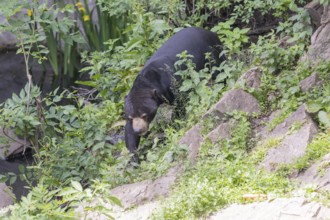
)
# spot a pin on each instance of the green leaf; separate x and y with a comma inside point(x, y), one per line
point(21, 168)
point(186, 85)
point(87, 83)
point(76, 185)
point(115, 201)
point(313, 107)
point(324, 118)
point(99, 145)
point(12, 180)
point(3, 178)
point(67, 191)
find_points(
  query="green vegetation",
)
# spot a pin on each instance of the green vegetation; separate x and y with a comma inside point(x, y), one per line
point(79, 154)
point(223, 174)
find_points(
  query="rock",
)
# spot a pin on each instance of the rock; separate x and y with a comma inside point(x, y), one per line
point(143, 212)
point(236, 99)
point(252, 78)
point(239, 100)
point(6, 196)
point(148, 190)
point(279, 209)
point(13, 76)
point(291, 148)
point(310, 82)
point(294, 144)
point(7, 40)
point(141, 194)
point(299, 116)
point(193, 139)
point(318, 174)
point(220, 132)
point(320, 49)
point(314, 9)
point(14, 145)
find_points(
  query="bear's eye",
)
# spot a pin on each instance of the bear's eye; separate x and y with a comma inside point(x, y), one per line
point(144, 115)
point(130, 118)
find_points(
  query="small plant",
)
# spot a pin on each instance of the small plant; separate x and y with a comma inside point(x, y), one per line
point(233, 39)
point(259, 153)
point(319, 104)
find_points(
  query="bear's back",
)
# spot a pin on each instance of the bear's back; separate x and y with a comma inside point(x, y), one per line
point(195, 41)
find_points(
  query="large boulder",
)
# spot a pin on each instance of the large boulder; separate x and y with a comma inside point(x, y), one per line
point(234, 100)
point(297, 132)
point(320, 41)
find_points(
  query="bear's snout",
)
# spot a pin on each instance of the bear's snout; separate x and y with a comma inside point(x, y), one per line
point(140, 126)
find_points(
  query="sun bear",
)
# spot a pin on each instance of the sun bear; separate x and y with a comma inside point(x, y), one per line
point(153, 85)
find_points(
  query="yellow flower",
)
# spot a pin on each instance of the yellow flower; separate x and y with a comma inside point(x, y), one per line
point(30, 12)
point(86, 18)
point(81, 9)
point(79, 5)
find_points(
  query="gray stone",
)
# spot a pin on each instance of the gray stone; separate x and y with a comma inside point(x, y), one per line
point(299, 116)
point(6, 196)
point(239, 100)
point(315, 9)
point(14, 145)
point(294, 143)
point(148, 190)
point(279, 209)
point(220, 132)
point(318, 174)
point(320, 49)
point(291, 148)
point(252, 78)
point(193, 139)
point(142, 212)
point(310, 82)
point(236, 99)
point(7, 40)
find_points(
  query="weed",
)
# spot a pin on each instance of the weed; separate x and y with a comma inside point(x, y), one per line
point(259, 153)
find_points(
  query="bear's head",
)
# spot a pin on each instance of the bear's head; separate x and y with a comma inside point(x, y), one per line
point(140, 109)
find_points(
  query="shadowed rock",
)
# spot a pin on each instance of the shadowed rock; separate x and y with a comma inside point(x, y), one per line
point(310, 82)
point(252, 78)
